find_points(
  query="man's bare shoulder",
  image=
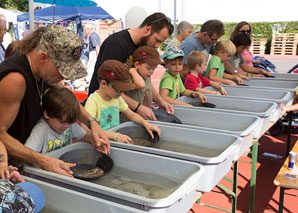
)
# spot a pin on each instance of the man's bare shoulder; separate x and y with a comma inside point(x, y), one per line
point(13, 82)
point(15, 77)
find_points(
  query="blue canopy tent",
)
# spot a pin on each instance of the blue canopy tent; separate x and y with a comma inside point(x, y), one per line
point(67, 13)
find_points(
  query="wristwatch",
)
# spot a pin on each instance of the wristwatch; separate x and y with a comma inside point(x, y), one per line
point(90, 120)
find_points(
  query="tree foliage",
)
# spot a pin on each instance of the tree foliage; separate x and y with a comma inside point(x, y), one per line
point(20, 5)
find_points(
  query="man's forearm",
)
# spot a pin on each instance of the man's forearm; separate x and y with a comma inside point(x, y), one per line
point(18, 151)
point(229, 67)
point(84, 115)
point(132, 104)
point(3, 154)
point(156, 97)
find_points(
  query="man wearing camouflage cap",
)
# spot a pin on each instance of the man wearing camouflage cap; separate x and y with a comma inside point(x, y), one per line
point(45, 57)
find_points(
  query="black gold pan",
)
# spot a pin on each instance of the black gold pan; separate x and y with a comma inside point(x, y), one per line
point(200, 104)
point(90, 164)
point(162, 115)
point(146, 140)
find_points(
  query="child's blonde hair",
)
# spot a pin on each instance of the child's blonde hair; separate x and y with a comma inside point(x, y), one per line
point(225, 45)
point(194, 58)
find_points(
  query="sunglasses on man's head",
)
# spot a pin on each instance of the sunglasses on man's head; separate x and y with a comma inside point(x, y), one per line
point(162, 18)
point(245, 31)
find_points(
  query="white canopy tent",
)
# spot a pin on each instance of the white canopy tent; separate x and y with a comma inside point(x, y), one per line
point(11, 15)
point(236, 11)
point(197, 12)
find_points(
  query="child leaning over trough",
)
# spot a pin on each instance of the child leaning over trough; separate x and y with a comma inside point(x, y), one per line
point(145, 60)
point(106, 102)
point(171, 85)
point(195, 81)
point(57, 127)
point(224, 49)
point(242, 42)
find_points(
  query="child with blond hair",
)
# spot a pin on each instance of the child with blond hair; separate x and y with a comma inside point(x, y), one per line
point(224, 49)
point(195, 81)
point(171, 86)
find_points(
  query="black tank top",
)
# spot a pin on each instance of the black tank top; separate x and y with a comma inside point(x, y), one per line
point(30, 109)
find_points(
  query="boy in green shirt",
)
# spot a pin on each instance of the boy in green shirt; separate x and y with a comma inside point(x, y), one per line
point(171, 86)
point(224, 49)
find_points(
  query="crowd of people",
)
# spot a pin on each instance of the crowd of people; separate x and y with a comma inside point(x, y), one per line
point(39, 115)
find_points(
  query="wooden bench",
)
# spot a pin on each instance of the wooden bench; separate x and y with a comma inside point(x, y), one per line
point(283, 182)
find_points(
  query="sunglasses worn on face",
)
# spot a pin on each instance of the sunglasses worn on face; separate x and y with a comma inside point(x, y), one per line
point(245, 31)
point(213, 39)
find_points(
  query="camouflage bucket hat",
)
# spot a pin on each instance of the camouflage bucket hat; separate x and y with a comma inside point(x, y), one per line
point(64, 47)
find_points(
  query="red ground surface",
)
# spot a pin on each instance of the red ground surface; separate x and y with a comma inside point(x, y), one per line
point(267, 194)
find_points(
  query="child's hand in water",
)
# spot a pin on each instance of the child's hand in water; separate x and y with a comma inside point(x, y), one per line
point(124, 139)
point(230, 82)
point(200, 96)
point(150, 128)
point(223, 91)
point(216, 93)
point(265, 72)
point(243, 76)
point(238, 79)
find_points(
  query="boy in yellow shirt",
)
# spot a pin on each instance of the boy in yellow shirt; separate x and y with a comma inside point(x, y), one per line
point(106, 102)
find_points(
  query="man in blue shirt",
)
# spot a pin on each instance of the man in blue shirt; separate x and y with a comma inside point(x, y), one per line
point(202, 41)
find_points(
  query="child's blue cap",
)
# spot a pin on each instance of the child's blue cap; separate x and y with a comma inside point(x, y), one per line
point(21, 197)
point(172, 53)
point(35, 193)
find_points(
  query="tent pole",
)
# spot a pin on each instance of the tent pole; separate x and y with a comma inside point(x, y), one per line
point(31, 15)
point(175, 19)
point(54, 11)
